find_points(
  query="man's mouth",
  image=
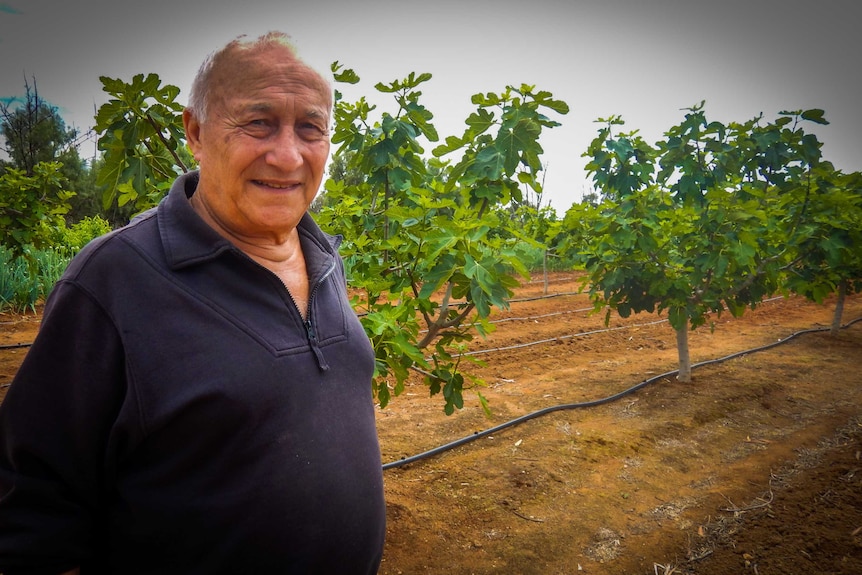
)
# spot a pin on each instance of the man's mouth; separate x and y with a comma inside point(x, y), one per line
point(276, 185)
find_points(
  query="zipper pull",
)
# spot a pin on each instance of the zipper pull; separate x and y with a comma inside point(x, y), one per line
point(312, 341)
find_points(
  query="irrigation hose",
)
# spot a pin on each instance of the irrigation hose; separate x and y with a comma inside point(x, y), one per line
point(593, 403)
point(15, 345)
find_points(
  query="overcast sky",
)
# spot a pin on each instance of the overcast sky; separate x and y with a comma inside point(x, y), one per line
point(645, 60)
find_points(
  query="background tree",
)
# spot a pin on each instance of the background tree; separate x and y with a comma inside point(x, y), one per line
point(829, 258)
point(30, 206)
point(539, 234)
point(34, 132)
point(34, 183)
point(341, 169)
point(699, 223)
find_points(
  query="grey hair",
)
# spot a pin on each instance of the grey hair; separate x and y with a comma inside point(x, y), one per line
point(199, 94)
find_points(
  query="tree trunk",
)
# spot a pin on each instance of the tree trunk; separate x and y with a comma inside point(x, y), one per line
point(839, 308)
point(545, 272)
point(684, 356)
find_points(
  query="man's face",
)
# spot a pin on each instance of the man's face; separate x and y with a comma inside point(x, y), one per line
point(264, 144)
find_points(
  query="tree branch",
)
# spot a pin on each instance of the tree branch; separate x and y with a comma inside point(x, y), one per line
point(170, 150)
point(436, 325)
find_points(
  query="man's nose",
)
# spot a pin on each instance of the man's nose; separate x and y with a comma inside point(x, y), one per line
point(285, 150)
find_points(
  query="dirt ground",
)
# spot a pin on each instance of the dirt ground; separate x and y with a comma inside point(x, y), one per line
point(754, 467)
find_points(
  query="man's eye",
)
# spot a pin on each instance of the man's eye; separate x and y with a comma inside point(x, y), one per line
point(258, 127)
point(312, 129)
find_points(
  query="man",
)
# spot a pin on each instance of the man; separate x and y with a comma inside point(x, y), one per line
point(198, 399)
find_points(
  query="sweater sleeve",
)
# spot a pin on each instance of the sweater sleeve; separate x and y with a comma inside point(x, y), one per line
point(55, 429)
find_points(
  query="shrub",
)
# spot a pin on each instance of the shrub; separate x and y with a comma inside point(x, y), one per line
point(70, 240)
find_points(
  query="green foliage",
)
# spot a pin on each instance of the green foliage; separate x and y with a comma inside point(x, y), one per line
point(30, 205)
point(142, 139)
point(35, 133)
point(705, 220)
point(28, 274)
point(87, 201)
point(69, 240)
point(27, 279)
point(35, 137)
point(538, 235)
point(422, 245)
point(828, 236)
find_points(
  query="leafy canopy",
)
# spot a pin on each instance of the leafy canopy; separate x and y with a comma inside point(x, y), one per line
point(705, 220)
point(142, 139)
point(422, 242)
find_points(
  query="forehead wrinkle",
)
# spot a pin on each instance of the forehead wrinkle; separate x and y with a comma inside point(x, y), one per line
point(276, 66)
point(266, 92)
point(255, 107)
point(311, 111)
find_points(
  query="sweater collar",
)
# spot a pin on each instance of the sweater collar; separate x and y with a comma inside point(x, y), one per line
point(189, 241)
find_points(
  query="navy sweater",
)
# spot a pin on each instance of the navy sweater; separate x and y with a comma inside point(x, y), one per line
point(176, 415)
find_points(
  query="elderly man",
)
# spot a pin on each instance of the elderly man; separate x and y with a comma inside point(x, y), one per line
point(198, 399)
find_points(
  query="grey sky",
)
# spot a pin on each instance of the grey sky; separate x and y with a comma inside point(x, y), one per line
point(644, 60)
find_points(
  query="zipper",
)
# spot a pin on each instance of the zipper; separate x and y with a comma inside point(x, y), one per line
point(310, 331)
point(312, 342)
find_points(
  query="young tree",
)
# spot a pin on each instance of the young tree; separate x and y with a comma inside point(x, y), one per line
point(538, 234)
point(419, 233)
point(696, 224)
point(829, 258)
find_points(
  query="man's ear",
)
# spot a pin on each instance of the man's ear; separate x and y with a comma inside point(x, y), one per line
point(193, 132)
